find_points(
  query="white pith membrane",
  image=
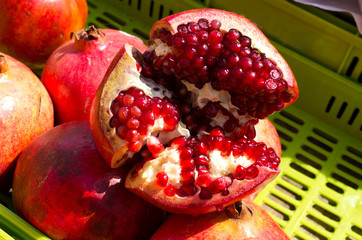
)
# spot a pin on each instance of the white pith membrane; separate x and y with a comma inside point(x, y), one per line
point(169, 162)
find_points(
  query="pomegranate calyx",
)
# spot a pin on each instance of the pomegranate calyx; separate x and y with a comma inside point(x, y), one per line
point(234, 210)
point(89, 33)
point(3, 64)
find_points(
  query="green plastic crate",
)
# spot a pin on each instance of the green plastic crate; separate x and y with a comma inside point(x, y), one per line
point(318, 193)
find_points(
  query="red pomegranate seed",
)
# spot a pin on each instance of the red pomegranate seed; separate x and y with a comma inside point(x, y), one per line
point(219, 184)
point(162, 179)
point(186, 153)
point(133, 123)
point(170, 123)
point(127, 100)
point(239, 172)
point(123, 114)
point(201, 160)
point(201, 148)
point(132, 135)
point(204, 180)
point(122, 131)
point(135, 111)
point(178, 142)
point(205, 194)
point(215, 24)
point(147, 118)
point(169, 190)
point(188, 190)
point(187, 177)
point(155, 146)
point(134, 146)
point(251, 172)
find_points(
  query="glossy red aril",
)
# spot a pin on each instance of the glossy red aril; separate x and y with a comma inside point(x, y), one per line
point(204, 87)
point(74, 71)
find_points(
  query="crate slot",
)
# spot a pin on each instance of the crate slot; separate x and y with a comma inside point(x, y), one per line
point(327, 200)
point(326, 213)
point(341, 110)
point(284, 147)
point(105, 23)
point(151, 8)
point(292, 117)
point(288, 192)
point(319, 144)
point(284, 136)
point(352, 161)
point(330, 104)
point(285, 125)
point(130, 2)
point(281, 202)
point(352, 66)
point(92, 5)
point(353, 116)
point(115, 18)
point(357, 230)
point(140, 33)
point(344, 180)
point(302, 170)
point(314, 152)
point(139, 4)
point(334, 187)
point(160, 12)
point(325, 135)
point(359, 79)
point(295, 183)
point(350, 238)
point(296, 237)
point(355, 151)
point(312, 233)
point(349, 171)
point(320, 223)
point(308, 161)
point(275, 212)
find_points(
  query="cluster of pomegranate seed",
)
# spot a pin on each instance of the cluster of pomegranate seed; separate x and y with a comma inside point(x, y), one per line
point(195, 175)
point(202, 53)
point(134, 112)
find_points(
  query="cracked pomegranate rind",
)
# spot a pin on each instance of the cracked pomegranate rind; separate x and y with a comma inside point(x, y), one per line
point(190, 112)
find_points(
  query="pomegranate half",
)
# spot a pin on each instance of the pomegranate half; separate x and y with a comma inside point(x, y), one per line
point(64, 188)
point(74, 71)
point(186, 110)
point(26, 111)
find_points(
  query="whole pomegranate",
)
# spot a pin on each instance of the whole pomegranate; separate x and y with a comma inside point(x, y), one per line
point(64, 188)
point(185, 111)
point(31, 30)
point(242, 221)
point(74, 71)
point(26, 111)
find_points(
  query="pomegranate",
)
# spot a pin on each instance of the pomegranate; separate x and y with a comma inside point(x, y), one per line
point(31, 30)
point(243, 221)
point(64, 188)
point(26, 111)
point(187, 122)
point(74, 71)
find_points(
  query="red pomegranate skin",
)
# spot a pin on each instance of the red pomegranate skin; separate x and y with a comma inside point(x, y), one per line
point(63, 187)
point(254, 223)
point(31, 30)
point(26, 111)
point(74, 71)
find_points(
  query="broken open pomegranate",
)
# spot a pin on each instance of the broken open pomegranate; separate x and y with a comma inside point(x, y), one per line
point(190, 112)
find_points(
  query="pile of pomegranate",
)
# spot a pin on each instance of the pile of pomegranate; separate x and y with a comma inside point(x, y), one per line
point(165, 141)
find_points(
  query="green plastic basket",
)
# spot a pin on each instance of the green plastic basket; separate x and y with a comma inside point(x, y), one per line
point(318, 193)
